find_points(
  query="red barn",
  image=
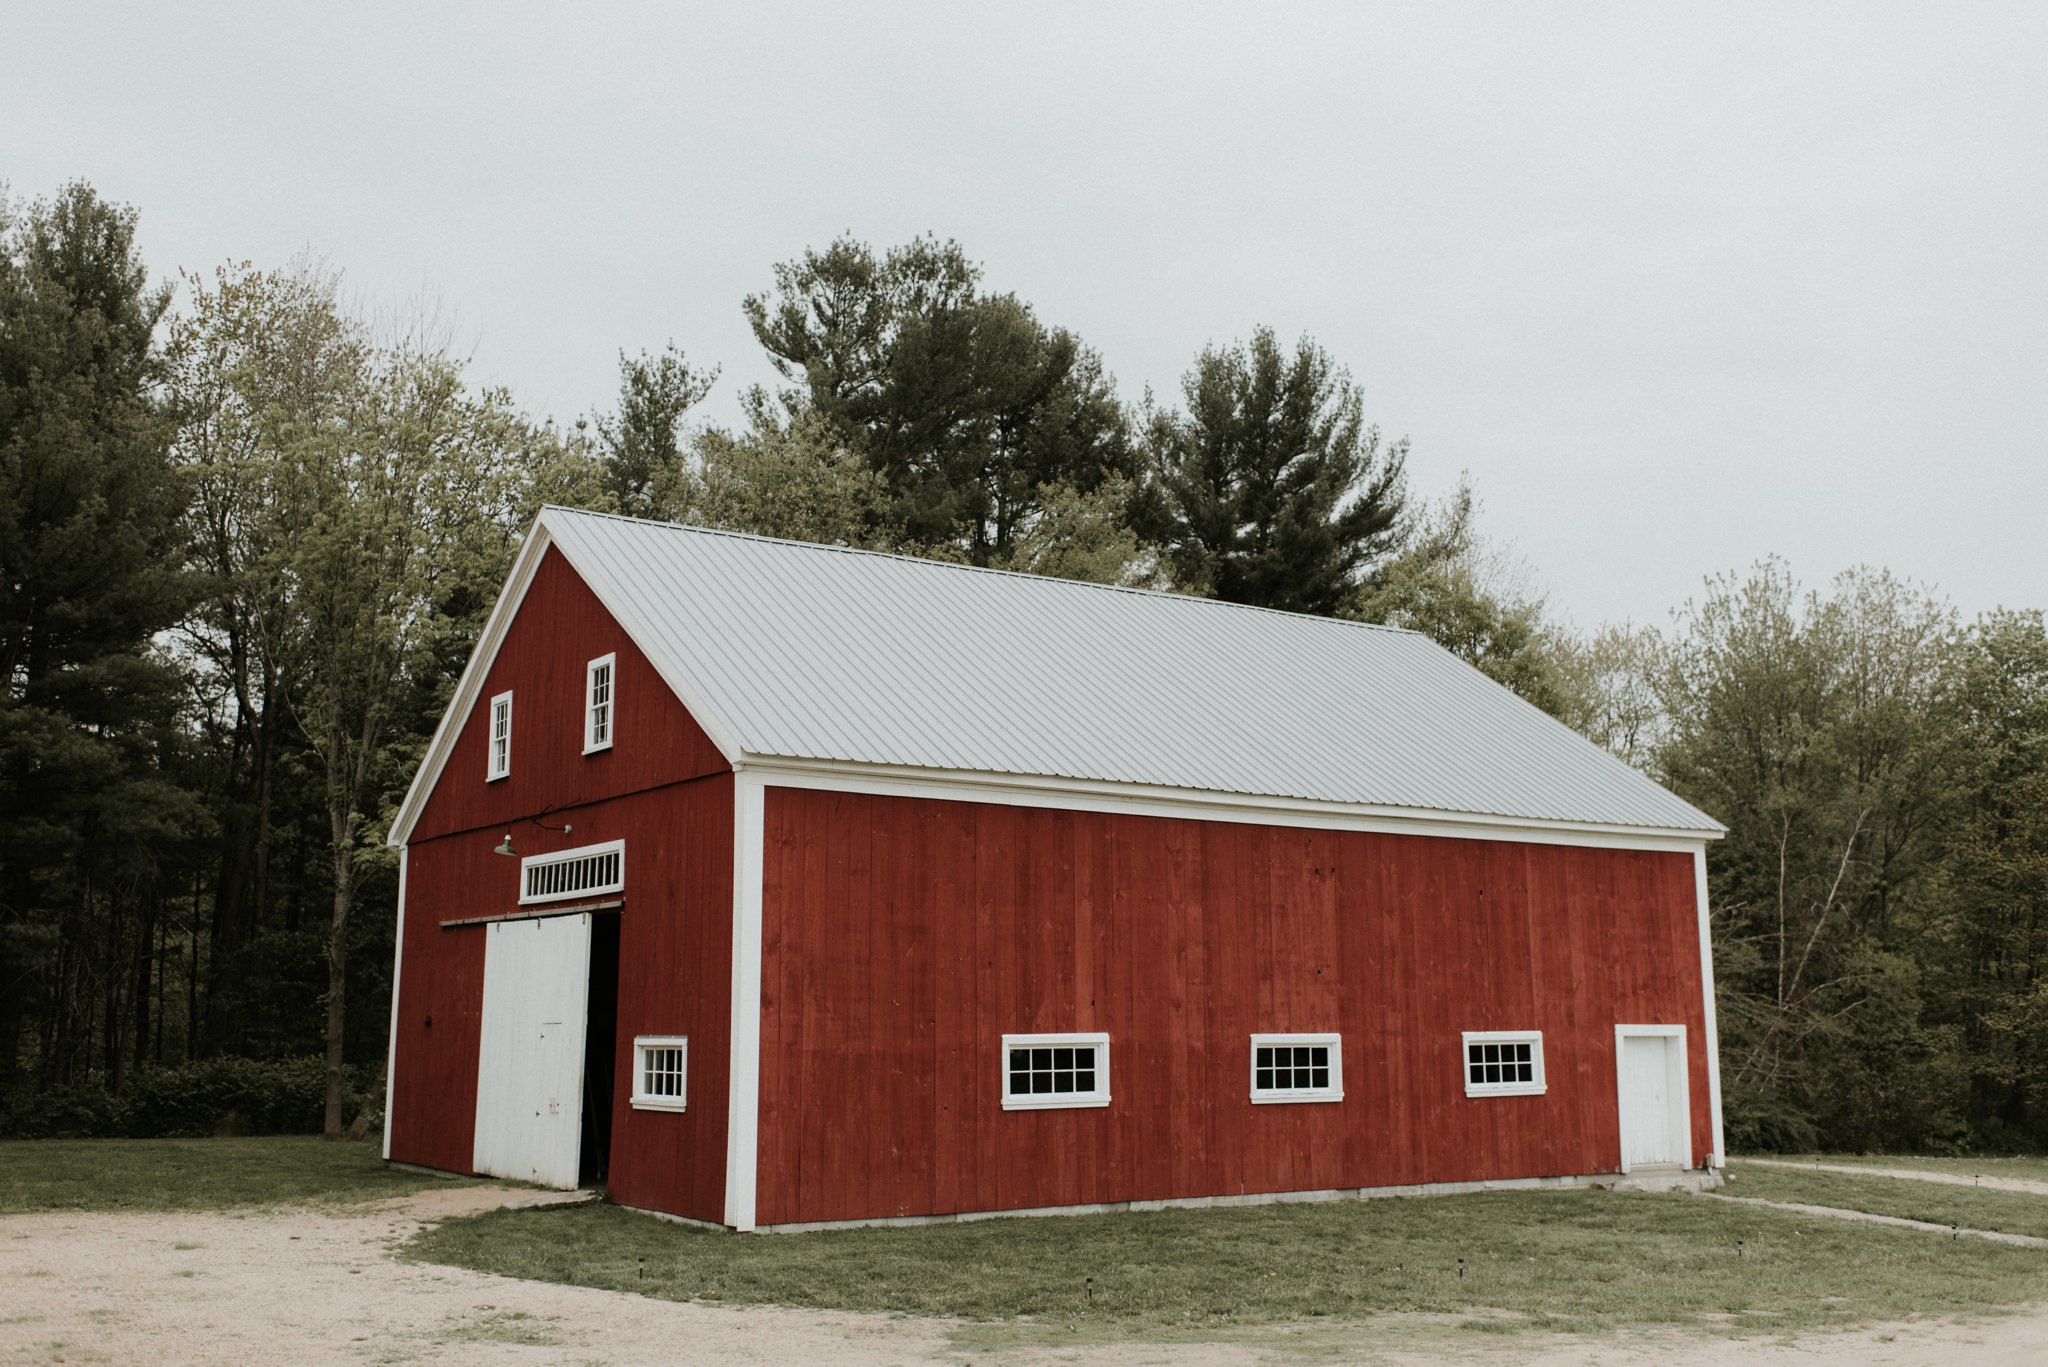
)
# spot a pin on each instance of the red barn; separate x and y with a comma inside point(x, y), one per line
point(778, 885)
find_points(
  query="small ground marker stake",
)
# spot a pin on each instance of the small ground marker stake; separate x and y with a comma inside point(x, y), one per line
point(643, 1269)
point(1091, 1288)
point(1461, 1269)
point(1738, 1250)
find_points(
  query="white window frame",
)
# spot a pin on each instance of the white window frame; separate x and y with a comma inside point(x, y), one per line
point(498, 762)
point(1282, 1095)
point(647, 1101)
point(1533, 1038)
point(532, 861)
point(610, 665)
point(1042, 1101)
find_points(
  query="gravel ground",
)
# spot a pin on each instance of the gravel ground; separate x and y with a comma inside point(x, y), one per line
point(320, 1286)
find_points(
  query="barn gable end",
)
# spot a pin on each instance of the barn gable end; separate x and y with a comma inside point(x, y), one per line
point(664, 790)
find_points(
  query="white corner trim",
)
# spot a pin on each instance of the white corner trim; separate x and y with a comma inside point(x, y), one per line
point(1091, 795)
point(743, 1102)
point(1684, 1098)
point(1712, 1043)
point(397, 968)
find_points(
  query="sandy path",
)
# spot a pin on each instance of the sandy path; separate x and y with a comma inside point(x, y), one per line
point(1952, 1179)
point(320, 1286)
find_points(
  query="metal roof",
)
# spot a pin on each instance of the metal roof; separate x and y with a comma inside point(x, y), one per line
point(792, 650)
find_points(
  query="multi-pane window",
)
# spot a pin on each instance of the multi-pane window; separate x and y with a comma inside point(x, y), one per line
point(660, 1072)
point(1503, 1062)
point(1297, 1068)
point(1055, 1070)
point(587, 870)
point(499, 763)
point(597, 707)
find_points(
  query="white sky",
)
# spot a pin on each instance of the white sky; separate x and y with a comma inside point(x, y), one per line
point(1679, 285)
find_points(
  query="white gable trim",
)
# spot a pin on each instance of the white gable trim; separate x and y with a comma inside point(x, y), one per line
point(470, 686)
point(1071, 794)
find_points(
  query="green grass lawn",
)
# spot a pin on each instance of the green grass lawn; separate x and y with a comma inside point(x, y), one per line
point(2034, 1169)
point(1970, 1207)
point(1550, 1260)
point(194, 1174)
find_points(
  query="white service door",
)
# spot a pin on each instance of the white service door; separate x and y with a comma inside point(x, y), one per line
point(1650, 1133)
point(529, 1085)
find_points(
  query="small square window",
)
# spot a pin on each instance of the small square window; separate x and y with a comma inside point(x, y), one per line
point(1297, 1068)
point(1055, 1070)
point(660, 1072)
point(1503, 1063)
point(599, 703)
point(498, 760)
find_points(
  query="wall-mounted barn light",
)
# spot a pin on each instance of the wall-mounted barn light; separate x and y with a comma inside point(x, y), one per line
point(505, 846)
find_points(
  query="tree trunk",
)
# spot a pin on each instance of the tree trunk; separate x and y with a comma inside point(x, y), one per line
point(337, 961)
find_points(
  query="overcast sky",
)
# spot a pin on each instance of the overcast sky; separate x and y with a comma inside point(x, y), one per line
point(1680, 286)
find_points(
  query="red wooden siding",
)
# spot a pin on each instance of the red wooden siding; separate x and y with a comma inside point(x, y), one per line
point(675, 978)
point(559, 629)
point(902, 938)
point(663, 789)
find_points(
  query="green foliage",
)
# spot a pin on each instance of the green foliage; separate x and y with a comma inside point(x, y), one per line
point(1270, 489)
point(965, 405)
point(1084, 536)
point(1881, 900)
point(89, 574)
point(642, 444)
point(192, 1100)
point(1440, 583)
point(791, 477)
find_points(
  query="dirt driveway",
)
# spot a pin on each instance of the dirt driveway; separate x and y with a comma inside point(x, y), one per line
point(320, 1286)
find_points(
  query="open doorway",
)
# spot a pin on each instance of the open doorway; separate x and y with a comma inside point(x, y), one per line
point(600, 1051)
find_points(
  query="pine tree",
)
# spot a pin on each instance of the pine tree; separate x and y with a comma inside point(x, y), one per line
point(968, 406)
point(1270, 489)
point(642, 444)
point(89, 510)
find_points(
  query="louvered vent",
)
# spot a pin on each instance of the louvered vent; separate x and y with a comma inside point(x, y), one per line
point(581, 872)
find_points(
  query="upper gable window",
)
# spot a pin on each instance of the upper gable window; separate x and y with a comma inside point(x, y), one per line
point(498, 763)
point(598, 693)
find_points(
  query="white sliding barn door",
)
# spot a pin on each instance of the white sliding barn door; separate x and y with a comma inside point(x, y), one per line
point(1656, 1116)
point(529, 1085)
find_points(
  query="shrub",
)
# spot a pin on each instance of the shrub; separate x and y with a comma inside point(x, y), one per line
point(193, 1100)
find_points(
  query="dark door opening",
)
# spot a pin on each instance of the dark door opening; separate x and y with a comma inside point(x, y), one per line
point(600, 1051)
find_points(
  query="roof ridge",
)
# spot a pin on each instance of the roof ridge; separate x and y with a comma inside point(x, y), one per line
point(1167, 594)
